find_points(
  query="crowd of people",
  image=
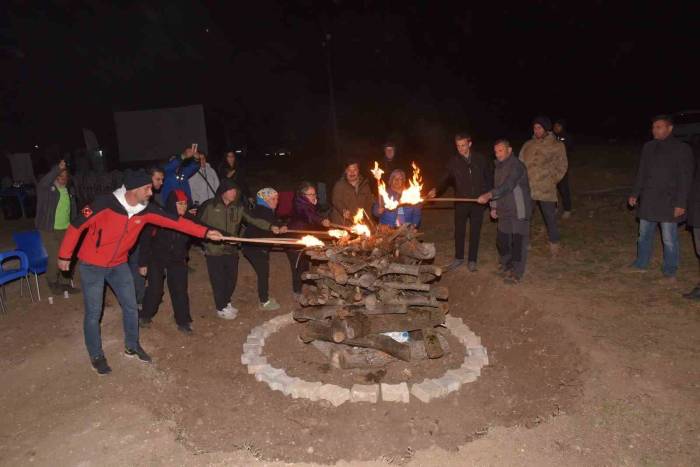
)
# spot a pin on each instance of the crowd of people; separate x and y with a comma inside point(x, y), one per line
point(139, 236)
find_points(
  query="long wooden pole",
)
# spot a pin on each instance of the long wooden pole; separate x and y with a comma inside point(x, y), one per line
point(267, 241)
point(308, 232)
point(451, 200)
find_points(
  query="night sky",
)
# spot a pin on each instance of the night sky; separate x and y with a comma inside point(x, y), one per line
point(410, 71)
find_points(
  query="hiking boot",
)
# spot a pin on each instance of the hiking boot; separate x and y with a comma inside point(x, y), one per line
point(145, 322)
point(270, 305)
point(471, 266)
point(138, 352)
point(100, 365)
point(566, 215)
point(693, 294)
point(453, 265)
point(229, 312)
point(186, 329)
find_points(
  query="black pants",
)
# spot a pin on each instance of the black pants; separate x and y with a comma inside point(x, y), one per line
point(299, 264)
point(512, 251)
point(565, 192)
point(177, 286)
point(549, 215)
point(223, 275)
point(474, 214)
point(259, 258)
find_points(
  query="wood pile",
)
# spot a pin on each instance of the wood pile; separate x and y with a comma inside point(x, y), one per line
point(361, 288)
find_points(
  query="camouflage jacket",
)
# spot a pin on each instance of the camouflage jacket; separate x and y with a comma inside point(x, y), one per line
point(546, 164)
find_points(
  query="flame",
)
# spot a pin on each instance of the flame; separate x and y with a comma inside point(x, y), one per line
point(310, 241)
point(358, 227)
point(387, 201)
point(376, 171)
point(338, 233)
point(411, 195)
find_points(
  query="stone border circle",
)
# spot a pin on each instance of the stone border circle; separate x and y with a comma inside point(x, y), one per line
point(277, 379)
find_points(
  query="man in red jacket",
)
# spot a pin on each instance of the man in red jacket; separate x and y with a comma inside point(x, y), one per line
point(113, 224)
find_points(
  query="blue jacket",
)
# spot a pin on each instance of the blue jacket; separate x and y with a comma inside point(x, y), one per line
point(405, 214)
point(177, 174)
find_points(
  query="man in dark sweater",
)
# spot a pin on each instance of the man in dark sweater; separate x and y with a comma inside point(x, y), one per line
point(471, 174)
point(660, 194)
point(511, 204)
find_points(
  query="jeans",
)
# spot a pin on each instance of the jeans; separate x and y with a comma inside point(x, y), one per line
point(139, 280)
point(549, 214)
point(474, 214)
point(93, 280)
point(669, 237)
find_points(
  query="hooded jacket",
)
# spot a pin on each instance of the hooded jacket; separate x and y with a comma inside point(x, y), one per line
point(47, 201)
point(227, 219)
point(546, 163)
point(203, 184)
point(164, 245)
point(113, 228)
point(177, 174)
point(346, 196)
point(305, 215)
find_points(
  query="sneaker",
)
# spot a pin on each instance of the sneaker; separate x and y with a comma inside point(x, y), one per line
point(227, 313)
point(145, 322)
point(138, 352)
point(186, 329)
point(667, 281)
point(566, 214)
point(453, 265)
point(634, 269)
point(231, 307)
point(471, 266)
point(100, 365)
point(270, 305)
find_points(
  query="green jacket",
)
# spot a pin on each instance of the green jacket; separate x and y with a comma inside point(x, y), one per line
point(227, 220)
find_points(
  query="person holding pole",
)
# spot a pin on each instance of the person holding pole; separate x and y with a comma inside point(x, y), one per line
point(471, 174)
point(112, 225)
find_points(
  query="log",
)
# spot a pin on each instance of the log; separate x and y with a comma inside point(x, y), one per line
point(321, 330)
point(417, 250)
point(404, 286)
point(432, 343)
point(328, 311)
point(371, 301)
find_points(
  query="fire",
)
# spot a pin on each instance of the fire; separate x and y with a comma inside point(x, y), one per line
point(310, 241)
point(376, 171)
point(338, 233)
point(411, 195)
point(358, 227)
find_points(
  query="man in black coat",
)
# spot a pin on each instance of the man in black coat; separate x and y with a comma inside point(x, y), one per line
point(471, 174)
point(660, 194)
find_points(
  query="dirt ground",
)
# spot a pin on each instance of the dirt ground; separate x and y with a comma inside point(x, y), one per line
point(589, 365)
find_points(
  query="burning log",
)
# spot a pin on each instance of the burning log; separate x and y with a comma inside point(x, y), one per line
point(373, 290)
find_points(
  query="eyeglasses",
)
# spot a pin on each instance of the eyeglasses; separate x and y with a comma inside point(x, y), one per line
point(313, 195)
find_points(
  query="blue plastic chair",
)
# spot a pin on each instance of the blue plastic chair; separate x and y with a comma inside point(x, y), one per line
point(9, 275)
point(30, 243)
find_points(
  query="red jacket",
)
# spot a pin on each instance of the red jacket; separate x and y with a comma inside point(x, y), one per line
point(111, 233)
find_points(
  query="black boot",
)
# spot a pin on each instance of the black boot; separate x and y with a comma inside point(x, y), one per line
point(693, 294)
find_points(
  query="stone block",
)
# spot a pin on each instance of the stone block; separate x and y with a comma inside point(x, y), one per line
point(267, 374)
point(256, 364)
point(449, 382)
point(334, 394)
point(428, 390)
point(453, 322)
point(280, 382)
point(306, 390)
point(465, 375)
point(473, 364)
point(479, 353)
point(364, 393)
point(471, 340)
point(395, 392)
point(255, 340)
point(253, 348)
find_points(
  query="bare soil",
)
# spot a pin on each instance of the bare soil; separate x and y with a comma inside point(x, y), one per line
point(589, 365)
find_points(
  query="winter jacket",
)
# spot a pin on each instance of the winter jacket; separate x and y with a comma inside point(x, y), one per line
point(177, 173)
point(546, 163)
point(203, 184)
point(345, 196)
point(664, 178)
point(404, 214)
point(252, 231)
point(47, 201)
point(164, 246)
point(470, 176)
point(511, 194)
point(305, 215)
point(227, 219)
point(113, 229)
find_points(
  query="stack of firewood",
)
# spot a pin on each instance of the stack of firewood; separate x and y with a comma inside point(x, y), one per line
point(368, 301)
